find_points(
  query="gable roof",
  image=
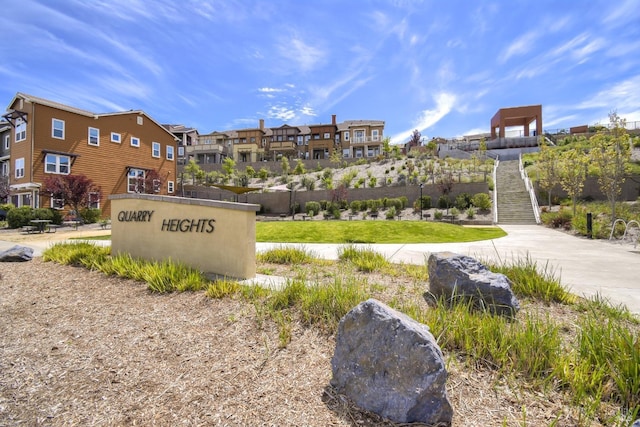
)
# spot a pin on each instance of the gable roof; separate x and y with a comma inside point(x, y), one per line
point(63, 107)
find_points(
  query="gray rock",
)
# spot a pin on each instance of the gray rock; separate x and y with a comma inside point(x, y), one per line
point(636, 423)
point(389, 364)
point(458, 276)
point(17, 254)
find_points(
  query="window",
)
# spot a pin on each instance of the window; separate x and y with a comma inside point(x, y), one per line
point(57, 203)
point(316, 136)
point(169, 152)
point(346, 135)
point(170, 187)
point(4, 169)
point(6, 141)
point(375, 135)
point(300, 140)
point(21, 130)
point(156, 185)
point(180, 151)
point(135, 142)
point(54, 163)
point(22, 199)
point(135, 181)
point(139, 120)
point(155, 149)
point(94, 136)
point(327, 135)
point(345, 153)
point(94, 200)
point(115, 137)
point(358, 135)
point(57, 128)
point(19, 167)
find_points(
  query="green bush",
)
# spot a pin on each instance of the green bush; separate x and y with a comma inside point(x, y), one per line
point(481, 201)
point(20, 217)
point(444, 202)
point(463, 201)
point(471, 213)
point(312, 206)
point(454, 212)
point(394, 203)
point(558, 219)
point(405, 201)
point(6, 207)
point(355, 206)
point(90, 216)
point(437, 215)
point(324, 204)
point(426, 202)
point(391, 213)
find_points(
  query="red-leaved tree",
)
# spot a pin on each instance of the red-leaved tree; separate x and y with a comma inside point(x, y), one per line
point(73, 189)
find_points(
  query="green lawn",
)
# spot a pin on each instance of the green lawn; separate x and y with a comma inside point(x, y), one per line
point(371, 232)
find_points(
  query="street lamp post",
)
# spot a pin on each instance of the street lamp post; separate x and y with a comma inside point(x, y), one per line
point(420, 202)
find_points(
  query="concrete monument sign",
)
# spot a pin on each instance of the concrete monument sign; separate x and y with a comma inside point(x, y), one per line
point(212, 236)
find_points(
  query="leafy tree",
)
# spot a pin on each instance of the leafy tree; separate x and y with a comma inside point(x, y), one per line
point(548, 169)
point(335, 158)
point(284, 163)
point(415, 140)
point(192, 168)
point(73, 189)
point(263, 174)
point(386, 146)
point(610, 155)
point(573, 173)
point(250, 171)
point(4, 188)
point(228, 166)
point(299, 169)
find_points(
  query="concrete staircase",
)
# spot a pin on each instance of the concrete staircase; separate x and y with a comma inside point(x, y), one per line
point(514, 202)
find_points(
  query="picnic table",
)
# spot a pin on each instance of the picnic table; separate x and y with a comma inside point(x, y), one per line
point(40, 224)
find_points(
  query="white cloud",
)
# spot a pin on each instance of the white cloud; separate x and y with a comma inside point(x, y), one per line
point(623, 95)
point(305, 55)
point(308, 111)
point(269, 90)
point(281, 113)
point(444, 104)
point(520, 46)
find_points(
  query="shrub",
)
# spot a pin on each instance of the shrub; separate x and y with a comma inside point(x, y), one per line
point(90, 216)
point(558, 219)
point(454, 212)
point(7, 207)
point(391, 213)
point(426, 202)
point(355, 206)
point(471, 212)
point(437, 215)
point(444, 202)
point(394, 203)
point(463, 201)
point(19, 217)
point(324, 204)
point(405, 201)
point(481, 201)
point(311, 207)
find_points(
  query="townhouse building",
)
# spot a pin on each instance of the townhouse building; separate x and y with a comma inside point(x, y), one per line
point(351, 138)
point(118, 151)
point(5, 145)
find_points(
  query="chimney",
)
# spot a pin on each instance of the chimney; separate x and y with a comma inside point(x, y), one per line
point(333, 119)
point(261, 124)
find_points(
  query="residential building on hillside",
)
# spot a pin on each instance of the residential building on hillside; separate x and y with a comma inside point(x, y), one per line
point(5, 145)
point(186, 137)
point(351, 138)
point(120, 152)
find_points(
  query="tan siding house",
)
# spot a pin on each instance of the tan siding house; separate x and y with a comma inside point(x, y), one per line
point(112, 149)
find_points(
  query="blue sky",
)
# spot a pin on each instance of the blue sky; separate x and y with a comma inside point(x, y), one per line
point(442, 67)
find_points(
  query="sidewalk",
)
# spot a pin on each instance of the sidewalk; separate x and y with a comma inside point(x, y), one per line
point(585, 267)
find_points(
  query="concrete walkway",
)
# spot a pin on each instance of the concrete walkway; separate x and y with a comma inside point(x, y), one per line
point(585, 267)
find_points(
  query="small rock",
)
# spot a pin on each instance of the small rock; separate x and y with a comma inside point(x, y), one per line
point(17, 254)
point(458, 276)
point(389, 364)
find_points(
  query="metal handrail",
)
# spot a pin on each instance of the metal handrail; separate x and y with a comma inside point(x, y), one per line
point(530, 189)
point(495, 189)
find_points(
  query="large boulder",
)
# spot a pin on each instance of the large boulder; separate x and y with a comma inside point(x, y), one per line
point(454, 276)
point(389, 364)
point(17, 254)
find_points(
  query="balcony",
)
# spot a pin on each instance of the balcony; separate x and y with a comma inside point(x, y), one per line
point(282, 145)
point(366, 139)
point(206, 148)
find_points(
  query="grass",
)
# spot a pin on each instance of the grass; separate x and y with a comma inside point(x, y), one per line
point(371, 232)
point(591, 357)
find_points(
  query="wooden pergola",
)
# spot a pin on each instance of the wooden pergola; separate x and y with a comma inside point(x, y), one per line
point(517, 116)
